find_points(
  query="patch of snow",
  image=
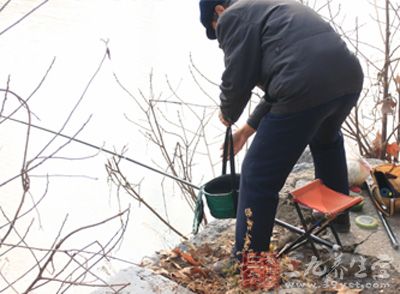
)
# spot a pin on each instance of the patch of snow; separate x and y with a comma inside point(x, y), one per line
point(141, 281)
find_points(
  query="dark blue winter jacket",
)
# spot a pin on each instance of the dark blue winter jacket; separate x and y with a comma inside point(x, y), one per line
point(288, 50)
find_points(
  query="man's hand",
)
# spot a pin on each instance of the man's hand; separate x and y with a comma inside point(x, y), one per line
point(223, 120)
point(240, 138)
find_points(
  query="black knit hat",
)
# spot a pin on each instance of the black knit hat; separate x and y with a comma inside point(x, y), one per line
point(206, 15)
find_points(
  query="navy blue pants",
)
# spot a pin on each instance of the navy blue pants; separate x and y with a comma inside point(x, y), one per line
point(278, 144)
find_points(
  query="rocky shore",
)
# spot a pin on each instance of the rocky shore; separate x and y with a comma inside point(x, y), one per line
point(367, 264)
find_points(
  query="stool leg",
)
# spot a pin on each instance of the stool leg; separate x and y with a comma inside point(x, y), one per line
point(334, 232)
point(308, 231)
point(304, 238)
point(299, 231)
point(300, 241)
point(295, 244)
point(336, 235)
point(325, 225)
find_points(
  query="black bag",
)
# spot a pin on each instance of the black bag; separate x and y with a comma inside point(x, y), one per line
point(222, 192)
point(386, 188)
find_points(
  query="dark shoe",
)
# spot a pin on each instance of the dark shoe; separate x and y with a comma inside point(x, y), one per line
point(342, 223)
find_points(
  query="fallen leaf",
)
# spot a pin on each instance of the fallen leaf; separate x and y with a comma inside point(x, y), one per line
point(198, 272)
point(174, 264)
point(205, 250)
point(393, 149)
point(182, 276)
point(186, 256)
point(295, 263)
point(377, 144)
point(342, 289)
point(176, 250)
point(162, 271)
point(189, 258)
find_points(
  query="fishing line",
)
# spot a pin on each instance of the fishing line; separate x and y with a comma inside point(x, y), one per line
point(104, 150)
point(277, 221)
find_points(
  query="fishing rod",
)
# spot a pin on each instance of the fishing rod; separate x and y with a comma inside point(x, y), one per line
point(277, 221)
point(104, 150)
point(392, 237)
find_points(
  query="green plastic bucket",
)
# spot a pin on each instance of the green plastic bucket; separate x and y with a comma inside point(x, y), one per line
point(221, 197)
point(222, 192)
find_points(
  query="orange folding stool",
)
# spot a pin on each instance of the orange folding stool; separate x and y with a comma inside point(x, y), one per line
point(329, 203)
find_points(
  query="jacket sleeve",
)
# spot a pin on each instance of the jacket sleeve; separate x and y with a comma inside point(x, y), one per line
point(240, 41)
point(258, 113)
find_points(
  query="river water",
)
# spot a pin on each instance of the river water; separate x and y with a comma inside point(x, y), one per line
point(145, 37)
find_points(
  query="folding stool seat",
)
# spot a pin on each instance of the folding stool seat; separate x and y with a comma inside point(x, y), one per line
point(328, 203)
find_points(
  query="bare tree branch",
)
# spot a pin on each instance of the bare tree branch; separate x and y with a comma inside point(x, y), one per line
point(23, 17)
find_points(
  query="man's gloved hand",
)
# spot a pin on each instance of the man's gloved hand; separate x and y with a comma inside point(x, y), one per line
point(240, 138)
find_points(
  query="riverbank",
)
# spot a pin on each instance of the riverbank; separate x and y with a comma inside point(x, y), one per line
point(367, 264)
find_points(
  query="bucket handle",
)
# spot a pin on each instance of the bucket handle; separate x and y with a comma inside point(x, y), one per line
point(199, 207)
point(228, 143)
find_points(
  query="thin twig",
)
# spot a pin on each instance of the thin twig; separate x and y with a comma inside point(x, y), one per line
point(23, 17)
point(61, 242)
